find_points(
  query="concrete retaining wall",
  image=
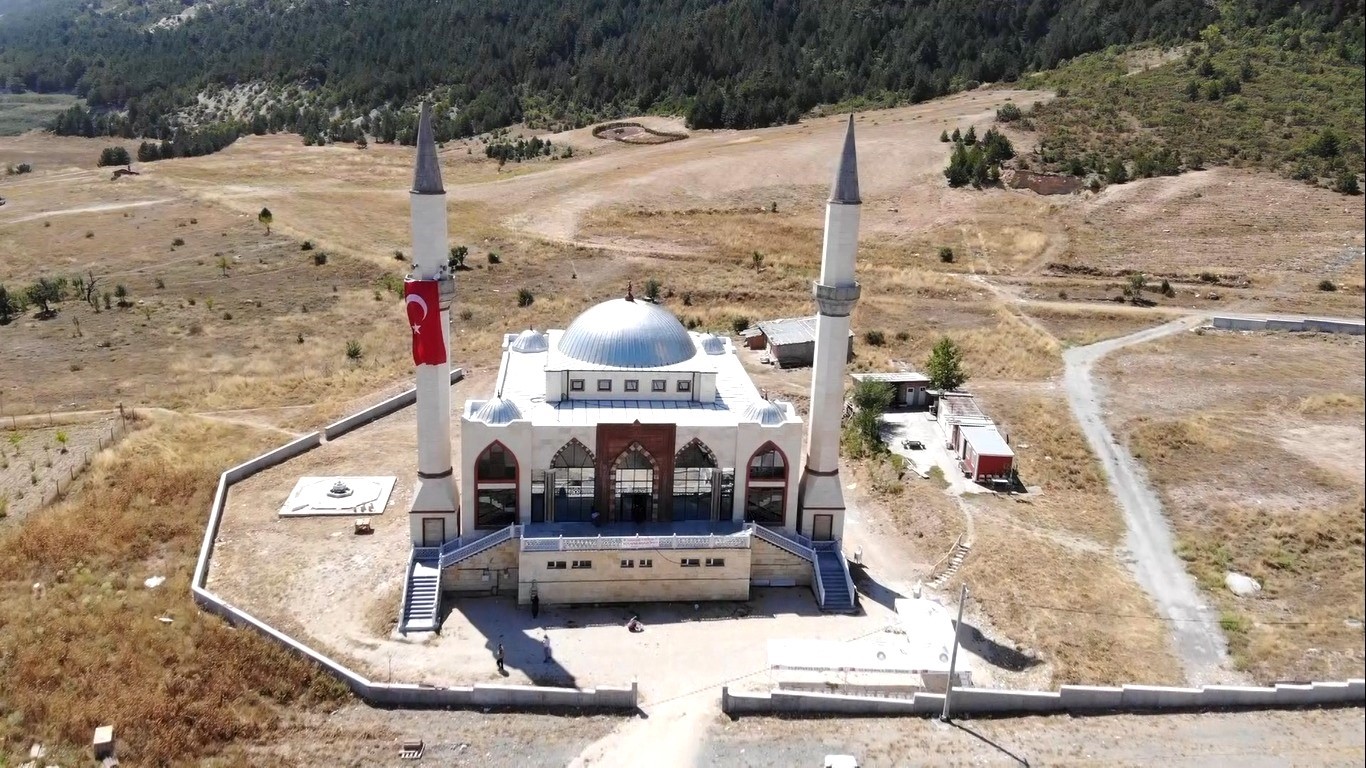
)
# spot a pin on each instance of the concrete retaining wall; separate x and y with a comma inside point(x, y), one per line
point(384, 694)
point(1073, 699)
point(379, 410)
point(1292, 324)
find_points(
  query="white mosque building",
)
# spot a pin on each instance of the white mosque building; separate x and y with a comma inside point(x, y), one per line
point(627, 459)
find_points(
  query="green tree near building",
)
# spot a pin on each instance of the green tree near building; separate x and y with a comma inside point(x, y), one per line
point(945, 366)
point(871, 399)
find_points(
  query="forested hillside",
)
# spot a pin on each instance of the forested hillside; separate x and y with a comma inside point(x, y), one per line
point(734, 63)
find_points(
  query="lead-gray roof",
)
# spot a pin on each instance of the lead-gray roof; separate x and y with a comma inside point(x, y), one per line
point(624, 333)
point(789, 330)
point(845, 188)
point(427, 174)
point(498, 411)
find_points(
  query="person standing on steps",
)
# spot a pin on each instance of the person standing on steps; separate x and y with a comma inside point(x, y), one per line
point(499, 657)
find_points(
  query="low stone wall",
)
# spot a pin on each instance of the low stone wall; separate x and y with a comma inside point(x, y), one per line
point(379, 410)
point(1071, 699)
point(380, 694)
point(1290, 324)
point(772, 566)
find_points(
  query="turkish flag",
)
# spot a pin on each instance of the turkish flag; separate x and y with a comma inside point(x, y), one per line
point(422, 298)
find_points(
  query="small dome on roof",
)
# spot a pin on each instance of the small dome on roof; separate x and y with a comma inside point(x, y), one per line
point(713, 344)
point(498, 411)
point(530, 341)
point(627, 333)
point(767, 412)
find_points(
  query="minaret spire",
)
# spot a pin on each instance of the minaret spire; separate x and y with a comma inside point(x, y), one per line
point(845, 189)
point(427, 174)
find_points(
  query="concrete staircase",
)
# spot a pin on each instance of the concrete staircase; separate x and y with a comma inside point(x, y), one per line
point(422, 602)
point(834, 579)
point(955, 560)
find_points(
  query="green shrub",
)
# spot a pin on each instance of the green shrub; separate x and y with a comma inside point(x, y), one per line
point(1327, 285)
point(524, 297)
point(946, 254)
point(874, 338)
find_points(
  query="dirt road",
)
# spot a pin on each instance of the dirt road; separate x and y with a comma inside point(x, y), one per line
point(1197, 638)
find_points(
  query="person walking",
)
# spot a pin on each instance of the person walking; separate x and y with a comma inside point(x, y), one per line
point(545, 641)
point(499, 657)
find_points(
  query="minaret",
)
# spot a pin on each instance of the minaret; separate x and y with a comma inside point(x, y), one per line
point(836, 292)
point(435, 498)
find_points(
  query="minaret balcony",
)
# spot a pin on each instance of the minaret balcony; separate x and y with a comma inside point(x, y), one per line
point(836, 300)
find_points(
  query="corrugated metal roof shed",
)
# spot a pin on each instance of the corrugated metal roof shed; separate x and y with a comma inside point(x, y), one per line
point(986, 441)
point(895, 377)
point(790, 330)
point(959, 405)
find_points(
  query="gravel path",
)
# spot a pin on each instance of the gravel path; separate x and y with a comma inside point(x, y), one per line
point(1197, 639)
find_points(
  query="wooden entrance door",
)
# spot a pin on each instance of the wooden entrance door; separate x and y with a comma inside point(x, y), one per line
point(822, 527)
point(433, 531)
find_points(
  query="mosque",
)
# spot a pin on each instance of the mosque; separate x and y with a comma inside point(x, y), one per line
point(624, 458)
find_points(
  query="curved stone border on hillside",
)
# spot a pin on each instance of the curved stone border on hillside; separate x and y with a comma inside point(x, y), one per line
point(379, 694)
point(656, 136)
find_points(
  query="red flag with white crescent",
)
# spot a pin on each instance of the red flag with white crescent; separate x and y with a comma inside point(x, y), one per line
point(422, 299)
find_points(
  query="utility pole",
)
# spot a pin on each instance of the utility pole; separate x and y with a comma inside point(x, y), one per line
point(953, 656)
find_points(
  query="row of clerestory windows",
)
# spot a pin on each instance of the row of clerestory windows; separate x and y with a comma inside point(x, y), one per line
point(632, 385)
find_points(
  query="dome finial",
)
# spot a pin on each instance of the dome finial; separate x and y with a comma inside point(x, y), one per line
point(629, 295)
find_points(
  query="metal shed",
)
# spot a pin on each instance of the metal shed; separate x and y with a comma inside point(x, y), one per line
point(791, 342)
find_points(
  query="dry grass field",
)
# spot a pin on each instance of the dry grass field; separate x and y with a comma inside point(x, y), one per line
point(264, 340)
point(1258, 452)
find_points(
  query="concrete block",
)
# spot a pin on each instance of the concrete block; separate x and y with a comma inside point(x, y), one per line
point(989, 701)
point(1238, 696)
point(1090, 698)
point(1144, 697)
point(103, 743)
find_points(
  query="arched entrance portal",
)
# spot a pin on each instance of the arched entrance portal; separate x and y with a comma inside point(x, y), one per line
point(633, 480)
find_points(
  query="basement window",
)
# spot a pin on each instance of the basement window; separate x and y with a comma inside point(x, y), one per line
point(647, 563)
point(555, 565)
point(628, 563)
point(690, 562)
point(576, 385)
point(581, 564)
point(716, 562)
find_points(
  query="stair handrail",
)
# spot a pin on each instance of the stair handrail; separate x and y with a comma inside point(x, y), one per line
point(455, 555)
point(782, 542)
point(848, 577)
point(947, 555)
point(407, 592)
point(819, 582)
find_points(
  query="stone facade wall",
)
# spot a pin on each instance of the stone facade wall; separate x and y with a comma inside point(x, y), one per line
point(772, 566)
point(606, 581)
point(468, 577)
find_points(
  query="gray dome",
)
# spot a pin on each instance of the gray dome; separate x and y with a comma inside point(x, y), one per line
point(713, 344)
point(498, 411)
point(766, 412)
point(530, 341)
point(627, 334)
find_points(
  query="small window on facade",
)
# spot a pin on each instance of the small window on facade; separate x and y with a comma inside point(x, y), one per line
point(632, 385)
point(576, 385)
point(685, 386)
point(604, 385)
point(647, 563)
point(659, 385)
point(581, 564)
point(628, 563)
point(716, 562)
point(690, 562)
point(555, 565)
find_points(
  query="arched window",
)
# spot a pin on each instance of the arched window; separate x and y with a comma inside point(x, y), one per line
point(694, 473)
point(575, 486)
point(766, 491)
point(495, 481)
point(768, 464)
point(496, 464)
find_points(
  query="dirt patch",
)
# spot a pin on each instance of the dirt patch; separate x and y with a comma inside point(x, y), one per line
point(1043, 183)
point(635, 133)
point(1258, 458)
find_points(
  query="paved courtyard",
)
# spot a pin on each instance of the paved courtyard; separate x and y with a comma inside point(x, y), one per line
point(921, 426)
